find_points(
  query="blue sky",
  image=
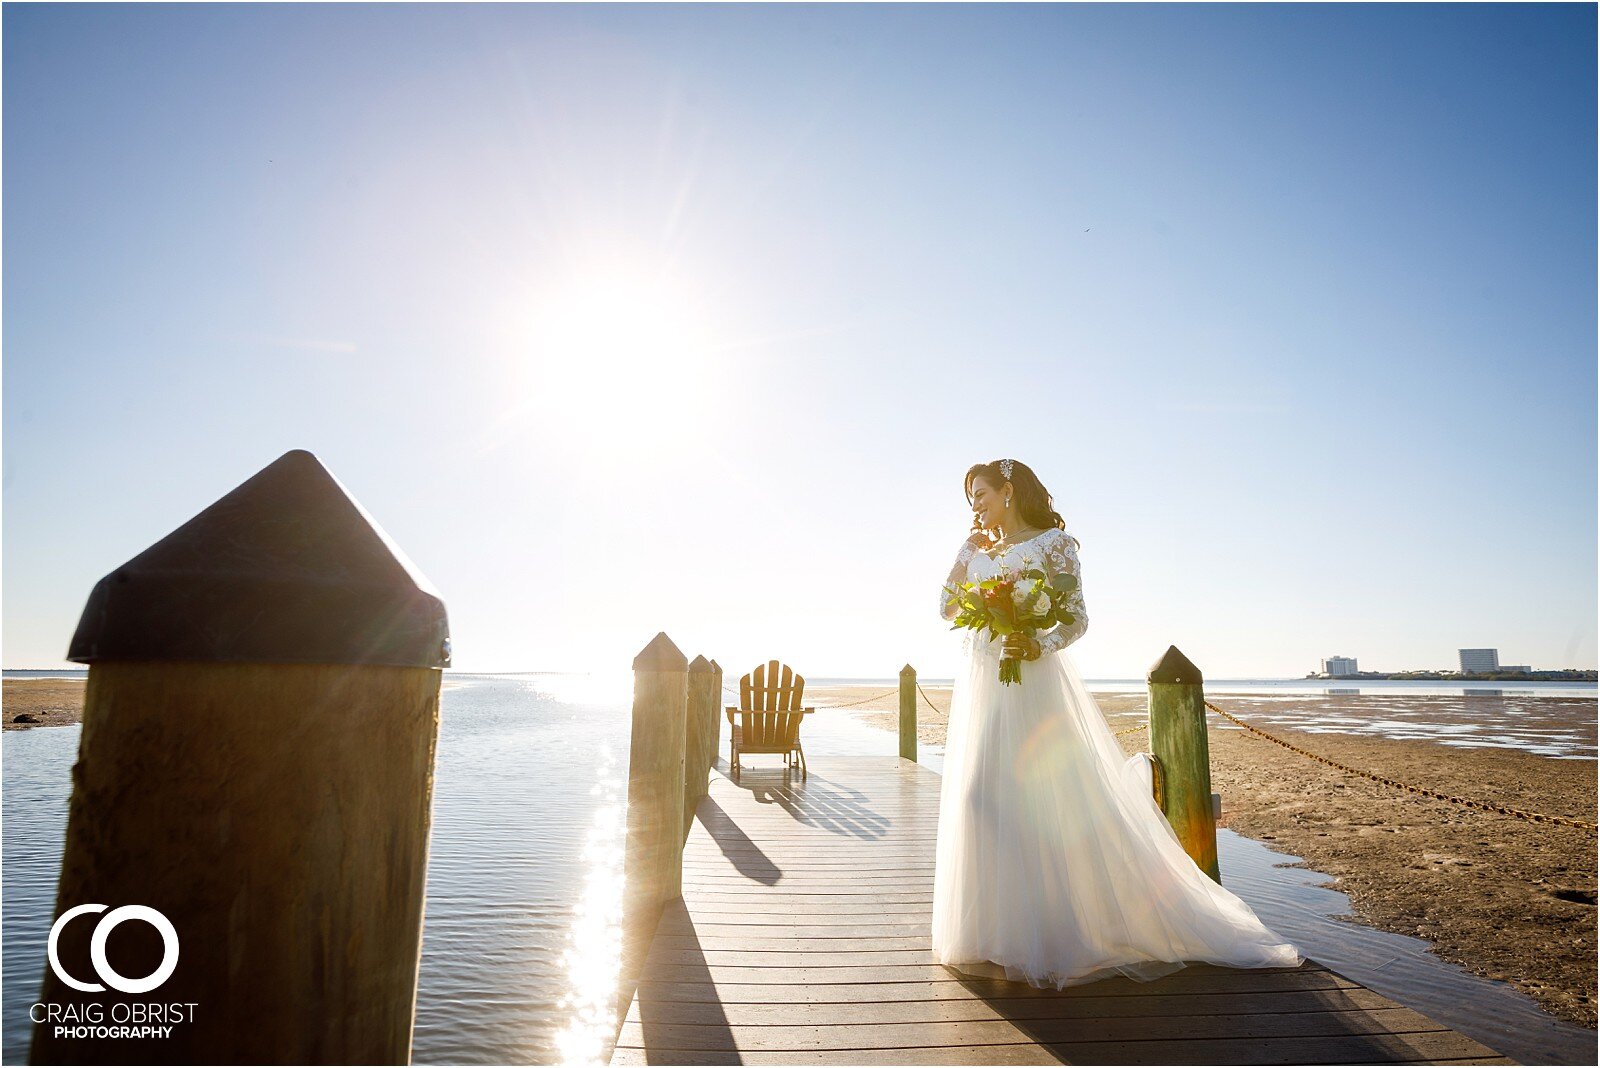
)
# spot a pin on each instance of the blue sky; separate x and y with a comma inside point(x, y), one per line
point(624, 319)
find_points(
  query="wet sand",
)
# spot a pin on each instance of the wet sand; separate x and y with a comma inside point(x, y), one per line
point(54, 702)
point(41, 703)
point(1502, 897)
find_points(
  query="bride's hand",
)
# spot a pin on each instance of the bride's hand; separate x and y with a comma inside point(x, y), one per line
point(1020, 647)
point(979, 539)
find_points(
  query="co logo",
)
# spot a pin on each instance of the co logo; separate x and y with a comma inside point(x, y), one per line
point(97, 948)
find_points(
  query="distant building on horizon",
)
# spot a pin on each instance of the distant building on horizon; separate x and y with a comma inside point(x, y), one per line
point(1516, 667)
point(1480, 660)
point(1339, 665)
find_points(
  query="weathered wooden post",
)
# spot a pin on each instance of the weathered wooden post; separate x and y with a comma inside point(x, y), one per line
point(653, 857)
point(699, 742)
point(654, 861)
point(714, 728)
point(256, 766)
point(908, 713)
point(1178, 741)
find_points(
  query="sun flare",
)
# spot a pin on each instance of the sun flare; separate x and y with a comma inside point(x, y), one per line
point(616, 356)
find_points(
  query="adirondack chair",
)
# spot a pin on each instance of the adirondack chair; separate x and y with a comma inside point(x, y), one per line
point(767, 719)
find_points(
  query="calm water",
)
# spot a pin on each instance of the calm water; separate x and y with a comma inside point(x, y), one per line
point(1297, 686)
point(1556, 722)
point(1295, 902)
point(1378, 687)
point(1561, 728)
point(524, 866)
point(525, 861)
point(1263, 686)
point(525, 869)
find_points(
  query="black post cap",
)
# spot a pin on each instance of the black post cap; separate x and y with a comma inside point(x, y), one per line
point(287, 567)
point(1173, 667)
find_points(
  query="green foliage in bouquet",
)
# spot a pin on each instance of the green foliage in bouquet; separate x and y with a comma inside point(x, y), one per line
point(1016, 602)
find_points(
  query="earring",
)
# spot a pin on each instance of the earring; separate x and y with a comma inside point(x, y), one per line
point(1008, 502)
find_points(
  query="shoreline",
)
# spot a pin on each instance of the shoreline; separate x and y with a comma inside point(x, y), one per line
point(56, 702)
point(1505, 898)
point(41, 702)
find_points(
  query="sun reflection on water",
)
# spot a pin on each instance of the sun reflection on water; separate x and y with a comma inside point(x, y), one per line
point(578, 689)
point(593, 956)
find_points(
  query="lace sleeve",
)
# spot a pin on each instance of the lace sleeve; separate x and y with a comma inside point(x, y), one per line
point(1060, 551)
point(958, 573)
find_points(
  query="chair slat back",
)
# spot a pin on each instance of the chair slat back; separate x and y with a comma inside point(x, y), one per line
point(770, 701)
point(772, 687)
point(769, 728)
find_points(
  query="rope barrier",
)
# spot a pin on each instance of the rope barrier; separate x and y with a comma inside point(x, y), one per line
point(847, 704)
point(1486, 806)
point(865, 700)
point(936, 708)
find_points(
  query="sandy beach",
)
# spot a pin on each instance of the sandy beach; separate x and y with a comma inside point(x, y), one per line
point(1505, 898)
point(55, 702)
point(41, 703)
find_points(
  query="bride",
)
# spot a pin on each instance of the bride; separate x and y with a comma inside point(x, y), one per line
point(1054, 865)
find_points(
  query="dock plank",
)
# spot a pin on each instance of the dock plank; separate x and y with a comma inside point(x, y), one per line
point(804, 937)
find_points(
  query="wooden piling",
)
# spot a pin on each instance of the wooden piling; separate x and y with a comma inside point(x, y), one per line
point(256, 765)
point(700, 737)
point(653, 851)
point(908, 712)
point(654, 860)
point(714, 728)
point(1178, 740)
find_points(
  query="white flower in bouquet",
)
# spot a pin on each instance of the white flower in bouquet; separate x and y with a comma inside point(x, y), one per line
point(1030, 599)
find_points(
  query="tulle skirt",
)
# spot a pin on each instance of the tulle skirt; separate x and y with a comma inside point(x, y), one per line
point(1054, 865)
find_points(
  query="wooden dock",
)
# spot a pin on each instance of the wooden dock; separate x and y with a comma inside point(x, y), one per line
point(803, 937)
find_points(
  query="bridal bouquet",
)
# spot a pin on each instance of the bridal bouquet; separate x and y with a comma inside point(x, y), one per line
point(1018, 601)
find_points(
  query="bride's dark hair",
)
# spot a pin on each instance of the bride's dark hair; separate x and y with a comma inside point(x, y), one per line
point(1030, 496)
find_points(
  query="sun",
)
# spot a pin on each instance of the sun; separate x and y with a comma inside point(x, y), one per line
point(615, 356)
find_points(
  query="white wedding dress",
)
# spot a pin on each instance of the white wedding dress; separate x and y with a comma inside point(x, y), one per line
point(1054, 865)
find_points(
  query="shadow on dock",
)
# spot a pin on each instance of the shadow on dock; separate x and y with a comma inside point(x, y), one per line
point(803, 936)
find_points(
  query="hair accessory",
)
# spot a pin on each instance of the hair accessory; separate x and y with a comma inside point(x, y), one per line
point(1005, 469)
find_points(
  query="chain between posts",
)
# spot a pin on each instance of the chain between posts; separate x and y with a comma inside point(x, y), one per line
point(847, 704)
point(1486, 806)
point(865, 700)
